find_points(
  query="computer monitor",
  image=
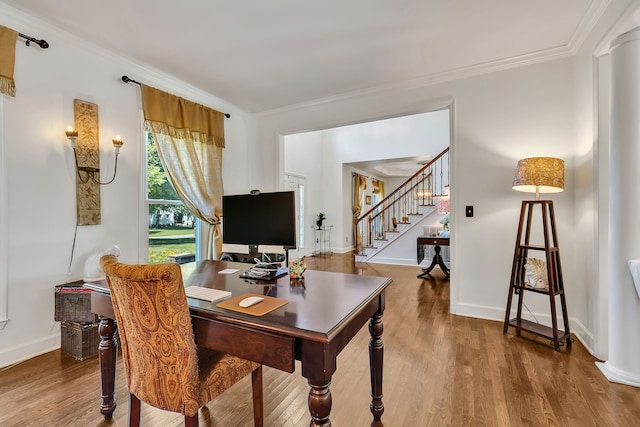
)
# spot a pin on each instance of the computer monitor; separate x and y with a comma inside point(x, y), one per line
point(260, 219)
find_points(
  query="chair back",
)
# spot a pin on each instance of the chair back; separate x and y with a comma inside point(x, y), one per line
point(155, 328)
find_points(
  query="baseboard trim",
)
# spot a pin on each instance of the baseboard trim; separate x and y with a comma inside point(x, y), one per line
point(398, 261)
point(28, 350)
point(497, 314)
point(616, 375)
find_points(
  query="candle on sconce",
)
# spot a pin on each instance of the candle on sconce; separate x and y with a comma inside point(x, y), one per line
point(71, 135)
point(85, 173)
point(70, 132)
point(117, 144)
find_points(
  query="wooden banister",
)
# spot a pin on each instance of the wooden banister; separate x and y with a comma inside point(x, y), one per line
point(416, 191)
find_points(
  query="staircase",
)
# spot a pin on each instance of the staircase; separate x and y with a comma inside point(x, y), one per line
point(401, 210)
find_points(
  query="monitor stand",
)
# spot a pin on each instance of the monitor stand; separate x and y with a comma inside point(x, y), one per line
point(253, 254)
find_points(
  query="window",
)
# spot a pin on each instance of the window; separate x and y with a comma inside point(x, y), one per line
point(172, 228)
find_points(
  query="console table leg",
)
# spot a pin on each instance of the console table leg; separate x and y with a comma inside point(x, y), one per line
point(107, 358)
point(376, 353)
point(441, 263)
point(437, 260)
point(320, 405)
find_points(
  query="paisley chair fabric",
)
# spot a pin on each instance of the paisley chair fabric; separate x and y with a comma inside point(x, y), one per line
point(163, 365)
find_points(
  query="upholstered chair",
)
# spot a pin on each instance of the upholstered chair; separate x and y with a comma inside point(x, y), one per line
point(163, 365)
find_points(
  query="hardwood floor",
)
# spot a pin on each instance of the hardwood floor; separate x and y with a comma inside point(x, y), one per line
point(439, 370)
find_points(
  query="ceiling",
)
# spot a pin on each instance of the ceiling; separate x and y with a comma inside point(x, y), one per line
point(263, 55)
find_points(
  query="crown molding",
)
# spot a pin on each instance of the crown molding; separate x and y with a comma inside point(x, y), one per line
point(627, 21)
point(433, 79)
point(585, 26)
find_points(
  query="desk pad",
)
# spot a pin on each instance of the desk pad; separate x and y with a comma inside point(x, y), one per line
point(263, 307)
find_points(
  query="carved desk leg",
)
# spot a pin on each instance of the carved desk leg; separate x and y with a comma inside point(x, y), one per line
point(107, 356)
point(376, 353)
point(320, 405)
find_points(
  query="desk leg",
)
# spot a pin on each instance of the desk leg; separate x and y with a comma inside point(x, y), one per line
point(376, 352)
point(320, 405)
point(107, 356)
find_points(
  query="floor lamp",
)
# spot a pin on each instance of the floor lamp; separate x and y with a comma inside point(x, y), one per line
point(538, 175)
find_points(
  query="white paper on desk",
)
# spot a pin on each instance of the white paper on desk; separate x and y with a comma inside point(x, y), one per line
point(228, 271)
point(207, 294)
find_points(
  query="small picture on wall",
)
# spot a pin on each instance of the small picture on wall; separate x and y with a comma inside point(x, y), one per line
point(367, 200)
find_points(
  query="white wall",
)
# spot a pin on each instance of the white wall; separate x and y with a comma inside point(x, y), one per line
point(40, 181)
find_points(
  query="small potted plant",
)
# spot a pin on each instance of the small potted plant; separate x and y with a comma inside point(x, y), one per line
point(445, 220)
point(320, 220)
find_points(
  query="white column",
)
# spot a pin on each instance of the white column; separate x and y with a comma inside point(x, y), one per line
point(623, 365)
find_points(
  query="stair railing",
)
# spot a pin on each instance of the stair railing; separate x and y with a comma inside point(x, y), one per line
point(417, 191)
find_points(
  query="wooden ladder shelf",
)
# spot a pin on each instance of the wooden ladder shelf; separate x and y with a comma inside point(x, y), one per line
point(519, 284)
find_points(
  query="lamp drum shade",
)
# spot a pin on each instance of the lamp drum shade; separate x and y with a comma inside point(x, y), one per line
point(539, 175)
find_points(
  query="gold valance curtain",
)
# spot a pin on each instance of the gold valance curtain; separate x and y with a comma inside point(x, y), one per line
point(8, 38)
point(359, 185)
point(378, 188)
point(190, 139)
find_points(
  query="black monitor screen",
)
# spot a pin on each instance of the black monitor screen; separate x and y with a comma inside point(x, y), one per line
point(260, 219)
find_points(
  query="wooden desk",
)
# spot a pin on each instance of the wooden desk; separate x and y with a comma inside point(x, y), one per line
point(317, 323)
point(437, 258)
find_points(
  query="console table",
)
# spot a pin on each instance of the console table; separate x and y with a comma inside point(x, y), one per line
point(437, 242)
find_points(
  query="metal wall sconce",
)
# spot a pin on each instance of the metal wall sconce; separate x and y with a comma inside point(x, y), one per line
point(90, 172)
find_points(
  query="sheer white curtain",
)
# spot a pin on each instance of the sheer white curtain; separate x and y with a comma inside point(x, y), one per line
point(190, 139)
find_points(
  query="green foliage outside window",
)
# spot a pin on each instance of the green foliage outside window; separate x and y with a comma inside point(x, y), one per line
point(158, 185)
point(171, 225)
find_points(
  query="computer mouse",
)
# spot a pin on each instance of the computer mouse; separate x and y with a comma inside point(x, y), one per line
point(249, 301)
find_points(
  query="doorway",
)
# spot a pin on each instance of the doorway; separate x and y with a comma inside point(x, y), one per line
point(389, 150)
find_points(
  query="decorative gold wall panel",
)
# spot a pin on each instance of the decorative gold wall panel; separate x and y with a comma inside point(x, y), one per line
point(88, 152)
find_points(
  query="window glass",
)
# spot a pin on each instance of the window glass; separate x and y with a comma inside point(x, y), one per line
point(172, 234)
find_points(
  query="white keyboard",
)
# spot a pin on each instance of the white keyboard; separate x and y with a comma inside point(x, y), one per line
point(206, 294)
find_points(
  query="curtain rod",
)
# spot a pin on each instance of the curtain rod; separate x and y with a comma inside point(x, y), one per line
point(126, 79)
point(359, 174)
point(42, 43)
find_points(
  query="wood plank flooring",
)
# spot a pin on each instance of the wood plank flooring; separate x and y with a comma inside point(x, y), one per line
point(439, 370)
